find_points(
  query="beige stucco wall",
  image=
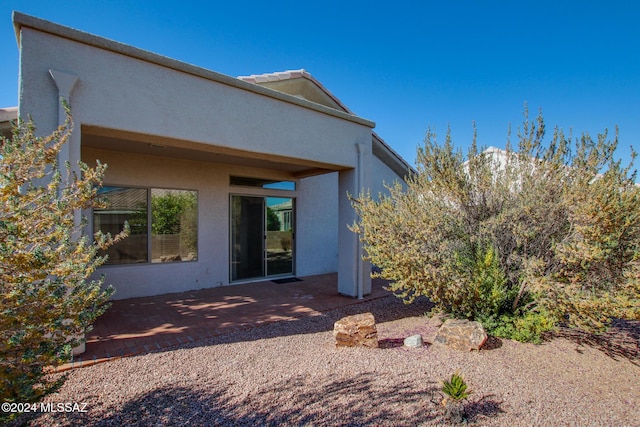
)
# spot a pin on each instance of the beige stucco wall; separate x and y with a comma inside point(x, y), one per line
point(317, 223)
point(317, 214)
point(316, 204)
point(122, 89)
point(119, 92)
point(381, 175)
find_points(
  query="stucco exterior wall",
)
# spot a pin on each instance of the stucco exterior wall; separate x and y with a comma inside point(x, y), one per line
point(317, 224)
point(381, 175)
point(317, 216)
point(126, 91)
point(119, 92)
point(316, 220)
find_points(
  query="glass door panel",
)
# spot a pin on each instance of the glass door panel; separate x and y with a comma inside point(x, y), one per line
point(247, 237)
point(279, 242)
point(261, 236)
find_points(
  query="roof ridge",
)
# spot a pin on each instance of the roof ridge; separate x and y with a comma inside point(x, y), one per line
point(8, 114)
point(293, 74)
point(277, 75)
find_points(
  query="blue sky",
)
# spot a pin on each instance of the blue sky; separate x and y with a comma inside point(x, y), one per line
point(405, 65)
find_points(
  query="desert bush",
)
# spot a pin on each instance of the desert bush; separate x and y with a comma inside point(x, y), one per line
point(544, 232)
point(48, 300)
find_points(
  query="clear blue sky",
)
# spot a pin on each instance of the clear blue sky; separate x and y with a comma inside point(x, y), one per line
point(405, 65)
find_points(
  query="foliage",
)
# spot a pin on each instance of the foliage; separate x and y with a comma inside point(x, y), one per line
point(285, 243)
point(168, 209)
point(455, 387)
point(273, 222)
point(526, 327)
point(48, 301)
point(175, 212)
point(520, 239)
point(457, 391)
point(483, 293)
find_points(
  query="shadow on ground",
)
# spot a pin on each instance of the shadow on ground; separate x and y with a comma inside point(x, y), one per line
point(622, 340)
point(360, 401)
point(385, 309)
point(485, 407)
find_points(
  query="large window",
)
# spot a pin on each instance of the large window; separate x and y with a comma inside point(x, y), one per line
point(170, 217)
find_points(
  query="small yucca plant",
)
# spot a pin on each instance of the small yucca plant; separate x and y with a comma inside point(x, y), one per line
point(456, 391)
point(455, 388)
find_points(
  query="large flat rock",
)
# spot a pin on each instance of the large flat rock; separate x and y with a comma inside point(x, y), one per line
point(358, 330)
point(462, 335)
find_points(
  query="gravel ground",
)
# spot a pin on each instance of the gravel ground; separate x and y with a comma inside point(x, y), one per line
point(291, 374)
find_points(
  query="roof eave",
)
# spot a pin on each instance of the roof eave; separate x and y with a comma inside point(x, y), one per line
point(389, 157)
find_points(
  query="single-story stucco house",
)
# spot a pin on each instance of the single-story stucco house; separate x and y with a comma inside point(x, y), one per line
point(223, 180)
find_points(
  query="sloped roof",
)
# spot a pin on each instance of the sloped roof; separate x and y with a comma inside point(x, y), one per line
point(391, 158)
point(7, 117)
point(299, 83)
point(296, 87)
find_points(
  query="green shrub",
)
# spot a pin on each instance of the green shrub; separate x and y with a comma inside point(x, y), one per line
point(457, 391)
point(456, 388)
point(45, 264)
point(482, 290)
point(528, 327)
point(518, 238)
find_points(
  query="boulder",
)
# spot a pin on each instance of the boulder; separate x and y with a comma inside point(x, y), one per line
point(355, 331)
point(414, 341)
point(462, 335)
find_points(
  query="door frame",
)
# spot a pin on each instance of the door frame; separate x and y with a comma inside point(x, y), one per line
point(263, 238)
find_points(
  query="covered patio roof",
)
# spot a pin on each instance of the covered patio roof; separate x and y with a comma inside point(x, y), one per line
point(109, 139)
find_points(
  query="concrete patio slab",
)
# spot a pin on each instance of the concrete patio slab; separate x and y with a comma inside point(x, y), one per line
point(138, 325)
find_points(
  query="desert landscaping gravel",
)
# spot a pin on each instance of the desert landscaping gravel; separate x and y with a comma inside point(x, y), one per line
point(291, 374)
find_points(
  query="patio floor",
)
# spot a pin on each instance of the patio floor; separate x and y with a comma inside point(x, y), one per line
point(139, 325)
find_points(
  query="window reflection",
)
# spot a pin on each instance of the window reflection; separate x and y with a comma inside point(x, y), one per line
point(173, 220)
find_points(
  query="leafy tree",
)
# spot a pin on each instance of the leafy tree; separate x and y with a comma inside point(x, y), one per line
point(166, 210)
point(520, 239)
point(273, 222)
point(48, 301)
point(175, 212)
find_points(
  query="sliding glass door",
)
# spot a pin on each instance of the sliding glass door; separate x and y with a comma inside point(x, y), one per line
point(262, 236)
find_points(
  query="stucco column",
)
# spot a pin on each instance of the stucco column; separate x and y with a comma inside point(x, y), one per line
point(354, 278)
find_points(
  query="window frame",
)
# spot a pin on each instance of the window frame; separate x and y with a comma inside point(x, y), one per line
point(149, 225)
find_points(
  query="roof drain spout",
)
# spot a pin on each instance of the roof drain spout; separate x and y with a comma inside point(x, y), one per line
point(359, 263)
point(69, 152)
point(65, 83)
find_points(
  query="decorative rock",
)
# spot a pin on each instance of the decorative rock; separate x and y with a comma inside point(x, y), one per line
point(355, 331)
point(414, 341)
point(461, 335)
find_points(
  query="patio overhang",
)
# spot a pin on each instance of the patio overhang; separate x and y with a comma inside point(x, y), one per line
point(130, 142)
